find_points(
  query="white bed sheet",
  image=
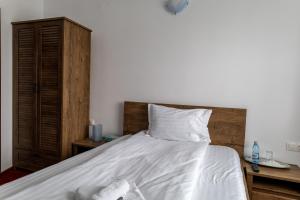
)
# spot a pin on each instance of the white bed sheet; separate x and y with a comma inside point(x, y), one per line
point(42, 175)
point(166, 172)
point(221, 177)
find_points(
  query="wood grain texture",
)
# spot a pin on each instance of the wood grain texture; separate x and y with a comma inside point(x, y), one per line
point(50, 20)
point(24, 96)
point(244, 179)
point(49, 87)
point(88, 143)
point(273, 184)
point(226, 125)
point(51, 65)
point(292, 174)
point(76, 81)
point(83, 145)
point(265, 196)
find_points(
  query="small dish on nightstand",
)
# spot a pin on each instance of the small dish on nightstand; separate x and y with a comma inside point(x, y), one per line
point(269, 163)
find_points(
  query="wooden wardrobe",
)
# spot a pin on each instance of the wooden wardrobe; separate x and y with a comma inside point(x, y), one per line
point(51, 73)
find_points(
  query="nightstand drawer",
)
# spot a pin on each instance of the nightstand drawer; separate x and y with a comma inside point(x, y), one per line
point(265, 196)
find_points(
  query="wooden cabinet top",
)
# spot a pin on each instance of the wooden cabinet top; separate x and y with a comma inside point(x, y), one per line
point(50, 19)
point(292, 174)
point(88, 143)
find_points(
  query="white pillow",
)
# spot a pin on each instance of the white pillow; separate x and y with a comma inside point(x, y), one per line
point(179, 124)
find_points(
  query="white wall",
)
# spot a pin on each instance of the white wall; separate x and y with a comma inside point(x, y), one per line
point(222, 53)
point(11, 10)
point(218, 52)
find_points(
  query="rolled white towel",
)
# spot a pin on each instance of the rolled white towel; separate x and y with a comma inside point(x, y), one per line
point(134, 193)
point(86, 192)
point(113, 191)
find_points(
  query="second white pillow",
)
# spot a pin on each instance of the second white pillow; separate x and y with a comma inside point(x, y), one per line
point(179, 124)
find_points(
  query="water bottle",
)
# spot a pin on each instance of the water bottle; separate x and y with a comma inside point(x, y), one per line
point(255, 153)
point(91, 129)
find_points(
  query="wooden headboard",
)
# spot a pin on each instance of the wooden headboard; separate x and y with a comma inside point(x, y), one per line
point(226, 125)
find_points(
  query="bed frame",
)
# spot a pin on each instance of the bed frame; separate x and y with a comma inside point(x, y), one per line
point(226, 125)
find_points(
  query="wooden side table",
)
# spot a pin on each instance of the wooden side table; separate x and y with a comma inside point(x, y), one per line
point(81, 146)
point(273, 184)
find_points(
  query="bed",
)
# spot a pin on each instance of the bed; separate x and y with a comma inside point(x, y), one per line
point(221, 176)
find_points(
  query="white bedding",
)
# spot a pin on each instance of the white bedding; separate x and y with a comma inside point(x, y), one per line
point(44, 174)
point(161, 169)
point(221, 177)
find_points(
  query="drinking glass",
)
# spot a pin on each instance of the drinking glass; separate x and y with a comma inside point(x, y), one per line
point(269, 155)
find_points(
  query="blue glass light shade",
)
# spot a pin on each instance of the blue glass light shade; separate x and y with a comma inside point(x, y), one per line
point(176, 6)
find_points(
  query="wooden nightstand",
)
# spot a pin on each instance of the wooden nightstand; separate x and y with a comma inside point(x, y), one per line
point(273, 184)
point(81, 146)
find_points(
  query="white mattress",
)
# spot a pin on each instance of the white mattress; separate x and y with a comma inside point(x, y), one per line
point(221, 178)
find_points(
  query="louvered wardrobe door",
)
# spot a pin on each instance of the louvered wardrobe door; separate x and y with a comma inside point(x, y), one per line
point(49, 73)
point(24, 88)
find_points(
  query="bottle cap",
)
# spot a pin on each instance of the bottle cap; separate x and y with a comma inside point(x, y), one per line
point(92, 122)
